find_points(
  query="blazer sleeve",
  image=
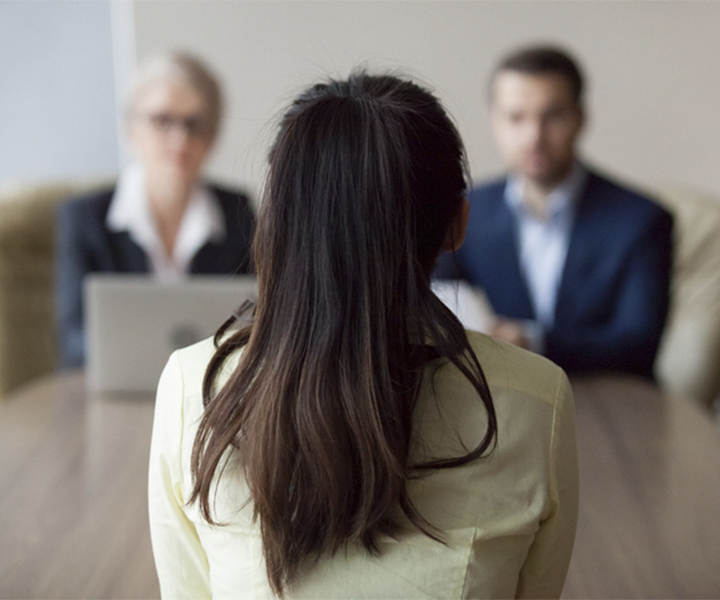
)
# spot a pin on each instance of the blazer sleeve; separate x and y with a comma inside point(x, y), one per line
point(72, 263)
point(180, 559)
point(629, 340)
point(545, 568)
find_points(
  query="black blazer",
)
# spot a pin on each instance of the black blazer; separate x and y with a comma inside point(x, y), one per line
point(615, 287)
point(85, 245)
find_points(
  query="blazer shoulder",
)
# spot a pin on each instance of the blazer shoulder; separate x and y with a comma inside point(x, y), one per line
point(236, 207)
point(617, 201)
point(611, 191)
point(229, 197)
point(510, 367)
point(494, 188)
point(89, 207)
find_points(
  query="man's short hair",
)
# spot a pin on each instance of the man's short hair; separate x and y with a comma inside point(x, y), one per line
point(544, 60)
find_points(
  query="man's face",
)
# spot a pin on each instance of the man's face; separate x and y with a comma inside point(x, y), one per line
point(536, 123)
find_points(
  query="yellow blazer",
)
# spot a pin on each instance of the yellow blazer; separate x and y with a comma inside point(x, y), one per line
point(509, 519)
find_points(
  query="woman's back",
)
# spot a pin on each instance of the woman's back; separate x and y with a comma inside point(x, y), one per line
point(354, 440)
point(508, 520)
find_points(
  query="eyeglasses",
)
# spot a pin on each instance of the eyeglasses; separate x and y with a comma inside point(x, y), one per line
point(194, 126)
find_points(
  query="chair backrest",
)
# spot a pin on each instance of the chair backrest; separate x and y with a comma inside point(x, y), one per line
point(28, 346)
point(689, 357)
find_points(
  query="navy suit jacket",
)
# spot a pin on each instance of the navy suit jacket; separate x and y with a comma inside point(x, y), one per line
point(85, 245)
point(614, 291)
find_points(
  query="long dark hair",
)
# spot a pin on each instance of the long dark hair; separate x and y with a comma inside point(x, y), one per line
point(366, 177)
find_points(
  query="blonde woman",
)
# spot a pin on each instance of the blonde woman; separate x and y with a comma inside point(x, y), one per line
point(160, 218)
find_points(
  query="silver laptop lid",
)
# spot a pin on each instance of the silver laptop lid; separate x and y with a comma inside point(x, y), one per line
point(134, 322)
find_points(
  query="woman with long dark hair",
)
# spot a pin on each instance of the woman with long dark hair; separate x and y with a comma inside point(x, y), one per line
point(353, 440)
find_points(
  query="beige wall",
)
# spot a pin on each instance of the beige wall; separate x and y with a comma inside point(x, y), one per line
point(654, 96)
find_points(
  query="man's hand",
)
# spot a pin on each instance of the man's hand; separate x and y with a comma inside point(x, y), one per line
point(510, 331)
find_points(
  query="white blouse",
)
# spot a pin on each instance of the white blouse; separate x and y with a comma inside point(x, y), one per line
point(130, 211)
point(508, 519)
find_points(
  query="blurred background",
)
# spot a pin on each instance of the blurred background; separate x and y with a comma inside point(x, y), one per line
point(653, 83)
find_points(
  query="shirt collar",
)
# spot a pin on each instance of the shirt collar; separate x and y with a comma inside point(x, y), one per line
point(130, 211)
point(562, 198)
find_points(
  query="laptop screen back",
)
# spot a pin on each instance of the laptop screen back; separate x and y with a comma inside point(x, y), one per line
point(134, 322)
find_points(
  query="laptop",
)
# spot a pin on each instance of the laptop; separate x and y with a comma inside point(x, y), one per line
point(134, 322)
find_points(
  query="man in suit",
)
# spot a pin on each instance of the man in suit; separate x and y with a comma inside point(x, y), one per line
point(574, 265)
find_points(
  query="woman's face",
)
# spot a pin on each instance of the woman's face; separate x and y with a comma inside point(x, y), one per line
point(169, 133)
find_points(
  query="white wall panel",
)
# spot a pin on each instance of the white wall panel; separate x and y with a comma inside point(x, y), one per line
point(654, 85)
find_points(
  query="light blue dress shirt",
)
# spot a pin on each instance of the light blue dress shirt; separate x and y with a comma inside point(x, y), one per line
point(542, 245)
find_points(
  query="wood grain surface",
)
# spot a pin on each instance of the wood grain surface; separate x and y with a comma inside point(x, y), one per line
point(73, 494)
point(649, 523)
point(73, 491)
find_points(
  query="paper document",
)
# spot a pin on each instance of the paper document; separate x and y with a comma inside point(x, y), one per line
point(469, 304)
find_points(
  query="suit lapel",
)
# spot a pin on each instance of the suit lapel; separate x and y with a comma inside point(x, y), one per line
point(509, 265)
point(580, 249)
point(208, 259)
point(503, 282)
point(127, 255)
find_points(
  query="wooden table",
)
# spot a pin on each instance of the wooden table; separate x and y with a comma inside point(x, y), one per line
point(649, 524)
point(73, 494)
point(73, 490)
